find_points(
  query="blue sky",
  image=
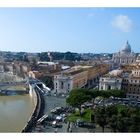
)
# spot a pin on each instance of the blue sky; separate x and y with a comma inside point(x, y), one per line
point(81, 30)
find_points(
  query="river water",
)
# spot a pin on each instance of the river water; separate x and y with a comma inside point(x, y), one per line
point(15, 112)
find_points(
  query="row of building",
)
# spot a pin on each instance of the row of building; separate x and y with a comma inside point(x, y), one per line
point(78, 77)
point(15, 68)
point(126, 78)
point(128, 81)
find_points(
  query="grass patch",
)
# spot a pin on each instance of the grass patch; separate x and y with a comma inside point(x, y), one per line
point(86, 116)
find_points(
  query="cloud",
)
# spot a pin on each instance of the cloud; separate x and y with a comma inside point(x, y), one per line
point(91, 15)
point(122, 22)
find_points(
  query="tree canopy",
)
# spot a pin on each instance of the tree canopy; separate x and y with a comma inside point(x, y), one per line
point(77, 97)
point(119, 118)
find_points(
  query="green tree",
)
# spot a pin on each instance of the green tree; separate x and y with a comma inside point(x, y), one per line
point(77, 98)
point(48, 80)
point(113, 123)
point(107, 93)
point(101, 117)
point(135, 123)
point(123, 124)
point(111, 110)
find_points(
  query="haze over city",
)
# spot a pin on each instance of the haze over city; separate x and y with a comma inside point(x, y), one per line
point(81, 30)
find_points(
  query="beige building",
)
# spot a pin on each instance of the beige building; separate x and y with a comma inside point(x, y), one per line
point(70, 79)
point(131, 85)
point(78, 77)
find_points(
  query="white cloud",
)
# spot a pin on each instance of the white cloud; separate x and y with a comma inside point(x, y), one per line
point(91, 15)
point(123, 22)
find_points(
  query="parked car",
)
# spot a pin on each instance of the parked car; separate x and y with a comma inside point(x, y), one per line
point(79, 122)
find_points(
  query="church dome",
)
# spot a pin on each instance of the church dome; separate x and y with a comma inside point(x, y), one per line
point(127, 48)
point(138, 58)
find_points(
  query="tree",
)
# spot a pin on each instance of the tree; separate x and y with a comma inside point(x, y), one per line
point(123, 124)
point(107, 93)
point(101, 117)
point(135, 123)
point(113, 123)
point(48, 81)
point(77, 98)
point(111, 110)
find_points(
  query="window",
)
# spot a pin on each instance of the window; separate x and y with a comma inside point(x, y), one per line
point(62, 85)
point(134, 89)
point(109, 87)
point(68, 86)
point(56, 85)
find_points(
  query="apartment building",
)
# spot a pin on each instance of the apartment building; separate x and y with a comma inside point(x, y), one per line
point(132, 88)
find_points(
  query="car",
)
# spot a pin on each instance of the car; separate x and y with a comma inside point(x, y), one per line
point(63, 115)
point(83, 106)
point(54, 124)
point(53, 111)
point(89, 125)
point(63, 95)
point(79, 122)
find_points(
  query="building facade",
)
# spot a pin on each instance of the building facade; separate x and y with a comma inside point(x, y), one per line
point(112, 80)
point(132, 87)
point(78, 77)
point(68, 80)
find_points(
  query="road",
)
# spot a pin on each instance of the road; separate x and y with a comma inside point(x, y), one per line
point(51, 102)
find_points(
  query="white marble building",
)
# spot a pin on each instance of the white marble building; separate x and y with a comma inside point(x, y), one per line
point(125, 56)
point(112, 80)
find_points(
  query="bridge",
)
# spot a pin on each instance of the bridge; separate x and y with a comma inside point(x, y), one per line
point(13, 83)
point(13, 88)
point(13, 92)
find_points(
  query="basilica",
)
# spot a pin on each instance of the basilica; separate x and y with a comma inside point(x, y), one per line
point(125, 56)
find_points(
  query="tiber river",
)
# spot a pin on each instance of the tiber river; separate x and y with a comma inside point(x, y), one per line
point(15, 112)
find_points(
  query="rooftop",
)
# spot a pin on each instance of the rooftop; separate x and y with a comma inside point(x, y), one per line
point(46, 63)
point(73, 72)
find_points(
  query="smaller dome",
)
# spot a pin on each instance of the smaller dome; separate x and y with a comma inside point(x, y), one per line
point(138, 58)
point(127, 48)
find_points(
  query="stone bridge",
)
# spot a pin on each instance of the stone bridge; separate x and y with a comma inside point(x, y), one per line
point(14, 88)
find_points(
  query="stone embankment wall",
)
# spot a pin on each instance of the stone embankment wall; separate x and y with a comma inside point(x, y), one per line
point(37, 107)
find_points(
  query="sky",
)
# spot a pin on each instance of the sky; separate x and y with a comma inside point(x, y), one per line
point(81, 30)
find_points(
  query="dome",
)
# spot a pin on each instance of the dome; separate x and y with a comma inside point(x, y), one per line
point(127, 48)
point(138, 58)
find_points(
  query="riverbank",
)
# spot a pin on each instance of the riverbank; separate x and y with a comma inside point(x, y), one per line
point(38, 110)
